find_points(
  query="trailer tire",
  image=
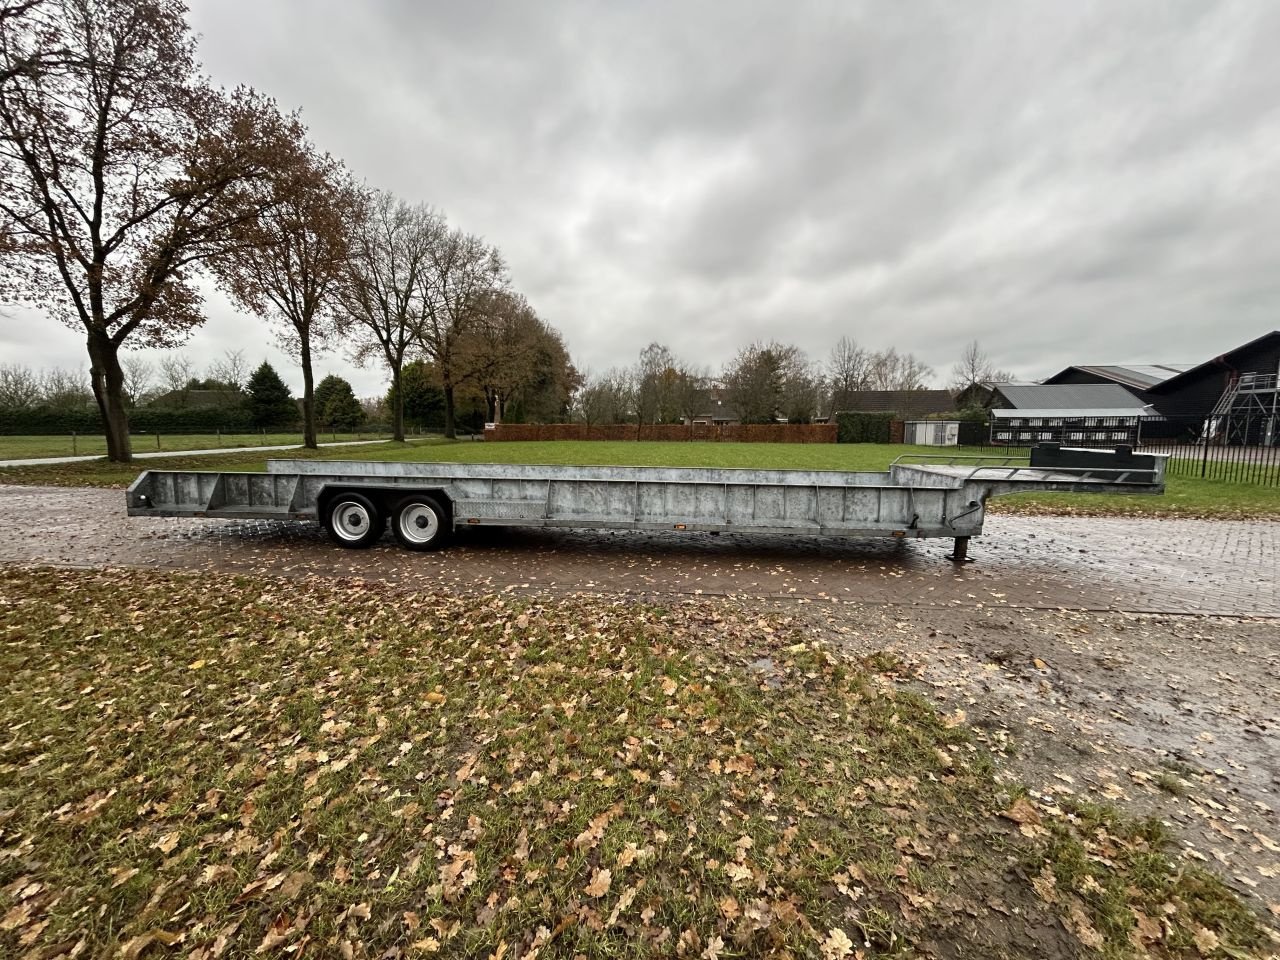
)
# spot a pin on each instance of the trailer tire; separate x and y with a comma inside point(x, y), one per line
point(420, 523)
point(353, 520)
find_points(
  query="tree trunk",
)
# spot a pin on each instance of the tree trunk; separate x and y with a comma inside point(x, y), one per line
point(397, 406)
point(108, 390)
point(450, 432)
point(308, 397)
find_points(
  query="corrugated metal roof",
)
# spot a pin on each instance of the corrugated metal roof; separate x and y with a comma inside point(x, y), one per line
point(1141, 376)
point(1073, 396)
point(1060, 413)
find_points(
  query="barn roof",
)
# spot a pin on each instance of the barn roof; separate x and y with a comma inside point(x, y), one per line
point(1073, 397)
point(1228, 359)
point(1139, 376)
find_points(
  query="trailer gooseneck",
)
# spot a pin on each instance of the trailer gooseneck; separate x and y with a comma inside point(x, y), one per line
point(425, 502)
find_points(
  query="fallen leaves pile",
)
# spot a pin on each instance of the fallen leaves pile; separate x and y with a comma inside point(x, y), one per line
point(211, 766)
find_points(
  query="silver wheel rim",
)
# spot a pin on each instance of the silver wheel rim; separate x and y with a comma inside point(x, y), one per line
point(419, 523)
point(351, 521)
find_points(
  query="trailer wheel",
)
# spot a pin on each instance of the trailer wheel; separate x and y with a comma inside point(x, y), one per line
point(420, 523)
point(353, 521)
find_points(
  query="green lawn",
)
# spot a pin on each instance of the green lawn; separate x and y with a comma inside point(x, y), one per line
point(337, 768)
point(27, 448)
point(1185, 497)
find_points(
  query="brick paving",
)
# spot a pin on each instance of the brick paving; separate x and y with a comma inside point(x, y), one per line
point(1123, 564)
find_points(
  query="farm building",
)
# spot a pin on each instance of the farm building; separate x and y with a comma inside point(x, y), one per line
point(1235, 396)
point(1066, 413)
point(1244, 377)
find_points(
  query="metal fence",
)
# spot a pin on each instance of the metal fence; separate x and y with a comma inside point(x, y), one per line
point(1230, 448)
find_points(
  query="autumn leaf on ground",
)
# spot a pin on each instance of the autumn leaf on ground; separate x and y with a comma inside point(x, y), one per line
point(599, 885)
point(1022, 812)
point(837, 945)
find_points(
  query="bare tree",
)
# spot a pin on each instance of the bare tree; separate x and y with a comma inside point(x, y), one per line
point(605, 399)
point(389, 256)
point(19, 387)
point(138, 378)
point(891, 370)
point(691, 391)
point(974, 368)
point(121, 173)
point(803, 387)
point(655, 379)
point(288, 263)
point(848, 371)
point(230, 370)
point(176, 374)
point(21, 57)
point(62, 389)
point(463, 272)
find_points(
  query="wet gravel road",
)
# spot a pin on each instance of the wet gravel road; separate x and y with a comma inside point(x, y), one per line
point(1162, 566)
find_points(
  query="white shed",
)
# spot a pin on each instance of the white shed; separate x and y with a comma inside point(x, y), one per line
point(932, 433)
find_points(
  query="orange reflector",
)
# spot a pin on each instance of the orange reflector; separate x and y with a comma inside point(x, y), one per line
point(899, 533)
point(679, 526)
point(473, 520)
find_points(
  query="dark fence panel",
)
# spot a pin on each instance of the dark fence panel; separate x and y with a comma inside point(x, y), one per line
point(1233, 449)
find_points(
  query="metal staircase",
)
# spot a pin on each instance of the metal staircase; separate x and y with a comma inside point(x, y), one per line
point(1247, 413)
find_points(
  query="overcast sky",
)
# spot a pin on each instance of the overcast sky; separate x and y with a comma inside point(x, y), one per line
point(1066, 182)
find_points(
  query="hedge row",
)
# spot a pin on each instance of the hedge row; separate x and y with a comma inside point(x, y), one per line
point(727, 433)
point(864, 427)
point(56, 422)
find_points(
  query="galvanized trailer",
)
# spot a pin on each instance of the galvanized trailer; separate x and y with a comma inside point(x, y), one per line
point(425, 502)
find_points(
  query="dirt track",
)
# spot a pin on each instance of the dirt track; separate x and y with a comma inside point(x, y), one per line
point(1069, 637)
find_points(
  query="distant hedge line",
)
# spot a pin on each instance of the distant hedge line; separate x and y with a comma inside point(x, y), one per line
point(55, 422)
point(669, 432)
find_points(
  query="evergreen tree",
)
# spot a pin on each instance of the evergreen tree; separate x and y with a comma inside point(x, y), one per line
point(423, 397)
point(269, 402)
point(336, 404)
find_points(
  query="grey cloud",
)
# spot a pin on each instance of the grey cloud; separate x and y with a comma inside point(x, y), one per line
point(1066, 182)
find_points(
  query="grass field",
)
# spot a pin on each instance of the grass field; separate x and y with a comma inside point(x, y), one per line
point(27, 448)
point(1184, 497)
point(329, 768)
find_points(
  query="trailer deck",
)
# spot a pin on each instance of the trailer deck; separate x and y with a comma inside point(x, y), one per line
point(425, 502)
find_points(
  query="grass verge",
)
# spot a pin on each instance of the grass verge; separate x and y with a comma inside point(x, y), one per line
point(1184, 497)
point(352, 770)
point(27, 448)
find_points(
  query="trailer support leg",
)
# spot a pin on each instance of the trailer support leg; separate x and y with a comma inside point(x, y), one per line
point(960, 554)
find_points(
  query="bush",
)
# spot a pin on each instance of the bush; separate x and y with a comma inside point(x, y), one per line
point(864, 427)
point(45, 422)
